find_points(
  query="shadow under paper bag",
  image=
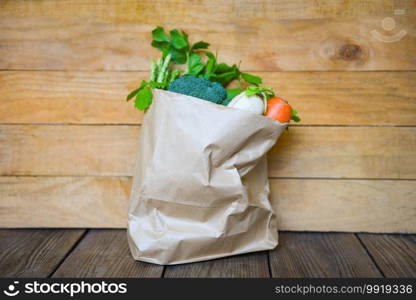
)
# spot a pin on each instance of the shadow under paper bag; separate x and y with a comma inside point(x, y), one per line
point(200, 188)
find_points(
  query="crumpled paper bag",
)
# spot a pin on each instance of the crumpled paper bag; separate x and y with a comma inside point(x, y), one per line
point(200, 188)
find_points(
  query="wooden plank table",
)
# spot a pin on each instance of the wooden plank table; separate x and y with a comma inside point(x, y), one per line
point(68, 139)
point(62, 253)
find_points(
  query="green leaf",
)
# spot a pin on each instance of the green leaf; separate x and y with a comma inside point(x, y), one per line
point(159, 34)
point(211, 63)
point(195, 64)
point(178, 40)
point(253, 90)
point(144, 98)
point(295, 116)
point(200, 45)
point(178, 57)
point(226, 78)
point(252, 79)
point(231, 93)
point(223, 67)
point(160, 39)
point(162, 46)
point(132, 94)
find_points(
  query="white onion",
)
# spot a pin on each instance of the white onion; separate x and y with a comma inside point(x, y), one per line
point(253, 103)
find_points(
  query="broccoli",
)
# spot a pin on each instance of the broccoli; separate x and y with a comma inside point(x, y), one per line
point(199, 88)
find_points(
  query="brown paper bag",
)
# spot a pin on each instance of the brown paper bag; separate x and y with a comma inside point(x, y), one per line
point(200, 188)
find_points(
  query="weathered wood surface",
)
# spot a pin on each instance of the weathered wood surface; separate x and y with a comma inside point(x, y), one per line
point(322, 98)
point(240, 266)
point(394, 254)
point(114, 35)
point(105, 253)
point(330, 152)
point(321, 255)
point(363, 123)
point(64, 201)
point(300, 204)
point(34, 253)
point(345, 205)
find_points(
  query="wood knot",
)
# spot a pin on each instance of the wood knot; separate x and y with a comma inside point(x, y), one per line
point(350, 52)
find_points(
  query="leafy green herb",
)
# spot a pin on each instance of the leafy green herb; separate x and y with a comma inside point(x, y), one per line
point(210, 65)
point(178, 40)
point(163, 68)
point(295, 116)
point(252, 79)
point(231, 93)
point(144, 98)
point(253, 90)
point(132, 94)
point(143, 95)
point(174, 75)
point(195, 64)
point(200, 45)
point(227, 77)
point(159, 35)
point(176, 49)
point(223, 68)
point(160, 40)
point(161, 76)
point(176, 45)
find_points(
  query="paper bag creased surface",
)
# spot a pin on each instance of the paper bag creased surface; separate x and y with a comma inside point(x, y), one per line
point(200, 188)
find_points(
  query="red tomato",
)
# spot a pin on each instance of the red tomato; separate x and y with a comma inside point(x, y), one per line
point(278, 109)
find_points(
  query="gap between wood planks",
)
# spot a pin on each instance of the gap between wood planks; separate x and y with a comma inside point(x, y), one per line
point(69, 252)
point(139, 125)
point(369, 255)
point(270, 177)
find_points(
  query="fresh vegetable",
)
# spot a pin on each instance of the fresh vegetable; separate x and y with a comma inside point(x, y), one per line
point(177, 45)
point(224, 74)
point(199, 88)
point(231, 93)
point(280, 110)
point(202, 76)
point(176, 49)
point(260, 90)
point(161, 76)
point(252, 103)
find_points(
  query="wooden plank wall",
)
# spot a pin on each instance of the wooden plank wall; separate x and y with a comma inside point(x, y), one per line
point(67, 138)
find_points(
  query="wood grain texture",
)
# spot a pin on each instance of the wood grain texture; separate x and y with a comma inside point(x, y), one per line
point(332, 152)
point(320, 255)
point(345, 152)
point(34, 253)
point(344, 205)
point(105, 253)
point(64, 201)
point(322, 98)
point(113, 35)
point(394, 254)
point(75, 150)
point(300, 204)
point(253, 265)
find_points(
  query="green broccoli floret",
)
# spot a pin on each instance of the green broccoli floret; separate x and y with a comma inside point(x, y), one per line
point(199, 88)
